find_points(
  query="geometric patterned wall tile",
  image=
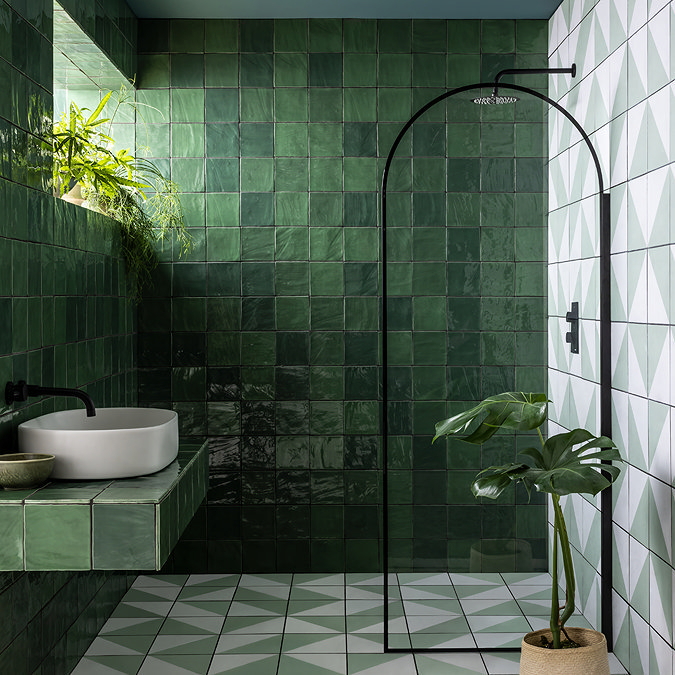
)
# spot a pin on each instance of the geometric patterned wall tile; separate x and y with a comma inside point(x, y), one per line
point(590, 351)
point(638, 136)
point(660, 507)
point(620, 358)
point(637, 358)
point(637, 16)
point(639, 578)
point(655, 6)
point(601, 33)
point(619, 289)
point(589, 279)
point(637, 65)
point(658, 188)
point(621, 624)
point(638, 509)
point(585, 404)
point(658, 285)
point(661, 596)
point(658, 49)
point(636, 216)
point(658, 129)
point(620, 557)
point(660, 655)
point(658, 362)
point(659, 441)
point(618, 24)
point(590, 226)
point(638, 663)
point(637, 286)
point(590, 534)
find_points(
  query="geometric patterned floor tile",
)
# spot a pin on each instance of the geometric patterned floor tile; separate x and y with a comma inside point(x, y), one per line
point(498, 640)
point(449, 607)
point(317, 592)
point(490, 607)
point(198, 608)
point(498, 624)
point(212, 580)
point(313, 664)
point(108, 665)
point(127, 645)
point(314, 643)
point(439, 624)
point(370, 608)
point(193, 625)
point(315, 624)
point(482, 579)
point(502, 664)
point(442, 641)
point(154, 594)
point(253, 624)
point(483, 592)
point(131, 627)
point(244, 664)
point(450, 664)
point(141, 610)
point(184, 644)
point(260, 643)
point(364, 644)
point(319, 580)
point(160, 581)
point(178, 664)
point(248, 580)
point(207, 593)
point(381, 664)
point(258, 608)
point(315, 608)
point(427, 592)
point(262, 593)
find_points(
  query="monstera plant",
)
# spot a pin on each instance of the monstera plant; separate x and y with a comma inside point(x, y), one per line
point(564, 464)
point(88, 169)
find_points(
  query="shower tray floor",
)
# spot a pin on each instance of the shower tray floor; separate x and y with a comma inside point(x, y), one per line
point(320, 624)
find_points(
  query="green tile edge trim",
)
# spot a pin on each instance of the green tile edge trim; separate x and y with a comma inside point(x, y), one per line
point(128, 524)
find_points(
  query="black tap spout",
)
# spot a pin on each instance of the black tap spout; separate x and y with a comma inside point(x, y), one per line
point(20, 391)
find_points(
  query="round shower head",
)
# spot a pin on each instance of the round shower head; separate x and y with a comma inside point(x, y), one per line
point(494, 99)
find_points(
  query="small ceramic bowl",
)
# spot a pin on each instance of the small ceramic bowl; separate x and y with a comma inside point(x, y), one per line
point(24, 470)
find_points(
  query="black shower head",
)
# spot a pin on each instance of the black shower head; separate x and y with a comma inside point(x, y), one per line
point(494, 99)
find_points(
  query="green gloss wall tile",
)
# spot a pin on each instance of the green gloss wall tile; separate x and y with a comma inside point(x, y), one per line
point(290, 121)
point(121, 536)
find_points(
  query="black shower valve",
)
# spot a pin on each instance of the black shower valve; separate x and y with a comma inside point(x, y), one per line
point(572, 336)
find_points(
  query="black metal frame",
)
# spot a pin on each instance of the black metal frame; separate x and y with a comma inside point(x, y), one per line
point(605, 354)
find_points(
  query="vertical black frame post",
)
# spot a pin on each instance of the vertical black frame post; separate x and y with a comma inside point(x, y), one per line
point(605, 363)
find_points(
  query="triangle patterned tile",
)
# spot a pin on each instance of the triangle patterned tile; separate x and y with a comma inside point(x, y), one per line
point(265, 593)
point(372, 624)
point(366, 607)
point(244, 664)
point(658, 52)
point(365, 644)
point(479, 579)
point(483, 592)
point(108, 665)
point(370, 592)
point(126, 645)
point(535, 607)
point(360, 579)
point(199, 609)
point(206, 593)
point(450, 664)
point(437, 624)
point(660, 654)
point(313, 664)
point(499, 640)
point(498, 624)
point(131, 626)
point(248, 580)
point(314, 643)
point(660, 500)
point(152, 594)
point(423, 579)
point(621, 623)
point(490, 607)
point(576, 621)
point(639, 644)
point(381, 664)
point(184, 644)
point(532, 592)
point(141, 610)
point(315, 624)
point(231, 643)
point(159, 581)
point(253, 624)
point(258, 608)
point(448, 607)
point(193, 625)
point(442, 641)
point(502, 663)
point(427, 592)
point(316, 608)
point(317, 592)
point(318, 579)
point(213, 580)
point(177, 664)
point(660, 595)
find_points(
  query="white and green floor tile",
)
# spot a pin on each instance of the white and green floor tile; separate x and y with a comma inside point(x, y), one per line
point(311, 624)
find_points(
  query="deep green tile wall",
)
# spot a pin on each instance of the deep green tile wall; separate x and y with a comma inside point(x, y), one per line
point(266, 338)
point(66, 321)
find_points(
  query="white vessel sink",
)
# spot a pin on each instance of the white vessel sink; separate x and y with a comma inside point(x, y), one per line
point(116, 443)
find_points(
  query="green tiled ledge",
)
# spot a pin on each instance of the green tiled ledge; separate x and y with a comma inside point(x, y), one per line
point(128, 524)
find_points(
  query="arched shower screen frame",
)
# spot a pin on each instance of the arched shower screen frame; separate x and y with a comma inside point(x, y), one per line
point(605, 361)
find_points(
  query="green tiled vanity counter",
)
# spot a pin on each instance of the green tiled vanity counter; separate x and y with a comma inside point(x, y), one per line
point(127, 524)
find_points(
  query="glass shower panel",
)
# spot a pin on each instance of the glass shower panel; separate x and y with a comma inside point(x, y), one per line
point(466, 318)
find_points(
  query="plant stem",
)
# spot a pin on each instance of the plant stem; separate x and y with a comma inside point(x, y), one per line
point(555, 611)
point(560, 530)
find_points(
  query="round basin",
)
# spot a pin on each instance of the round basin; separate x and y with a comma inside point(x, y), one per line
point(116, 443)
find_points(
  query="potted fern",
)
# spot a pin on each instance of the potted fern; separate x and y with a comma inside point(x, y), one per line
point(567, 463)
point(88, 170)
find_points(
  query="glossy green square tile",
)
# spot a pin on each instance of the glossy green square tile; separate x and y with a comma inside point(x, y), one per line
point(221, 70)
point(256, 70)
point(256, 140)
point(325, 105)
point(428, 348)
point(258, 313)
point(360, 173)
point(290, 70)
point(325, 140)
point(326, 382)
point(327, 313)
point(187, 140)
point(325, 209)
point(222, 210)
point(325, 35)
point(325, 174)
point(326, 243)
point(360, 105)
point(257, 35)
point(223, 349)
point(222, 243)
point(498, 36)
point(290, 35)
point(187, 105)
point(221, 105)
point(153, 70)
point(221, 35)
point(292, 278)
point(222, 140)
point(326, 278)
point(258, 348)
point(121, 536)
point(325, 70)
point(463, 69)
point(257, 105)
point(59, 537)
point(394, 70)
point(187, 70)
point(12, 557)
point(257, 209)
point(292, 243)
point(257, 174)
point(361, 314)
point(326, 349)
point(186, 35)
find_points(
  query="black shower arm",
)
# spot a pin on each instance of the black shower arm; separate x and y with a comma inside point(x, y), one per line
point(533, 71)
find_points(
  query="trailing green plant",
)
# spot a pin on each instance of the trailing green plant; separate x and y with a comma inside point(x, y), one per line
point(567, 463)
point(130, 189)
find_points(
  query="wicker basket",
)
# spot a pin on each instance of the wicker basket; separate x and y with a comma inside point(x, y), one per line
point(589, 659)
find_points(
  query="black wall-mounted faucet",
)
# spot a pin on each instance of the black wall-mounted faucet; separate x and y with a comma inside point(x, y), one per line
point(21, 391)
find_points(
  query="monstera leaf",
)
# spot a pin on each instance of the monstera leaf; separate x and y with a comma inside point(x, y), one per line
point(568, 463)
point(511, 410)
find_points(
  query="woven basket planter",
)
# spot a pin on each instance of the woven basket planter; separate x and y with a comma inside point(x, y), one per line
point(589, 659)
